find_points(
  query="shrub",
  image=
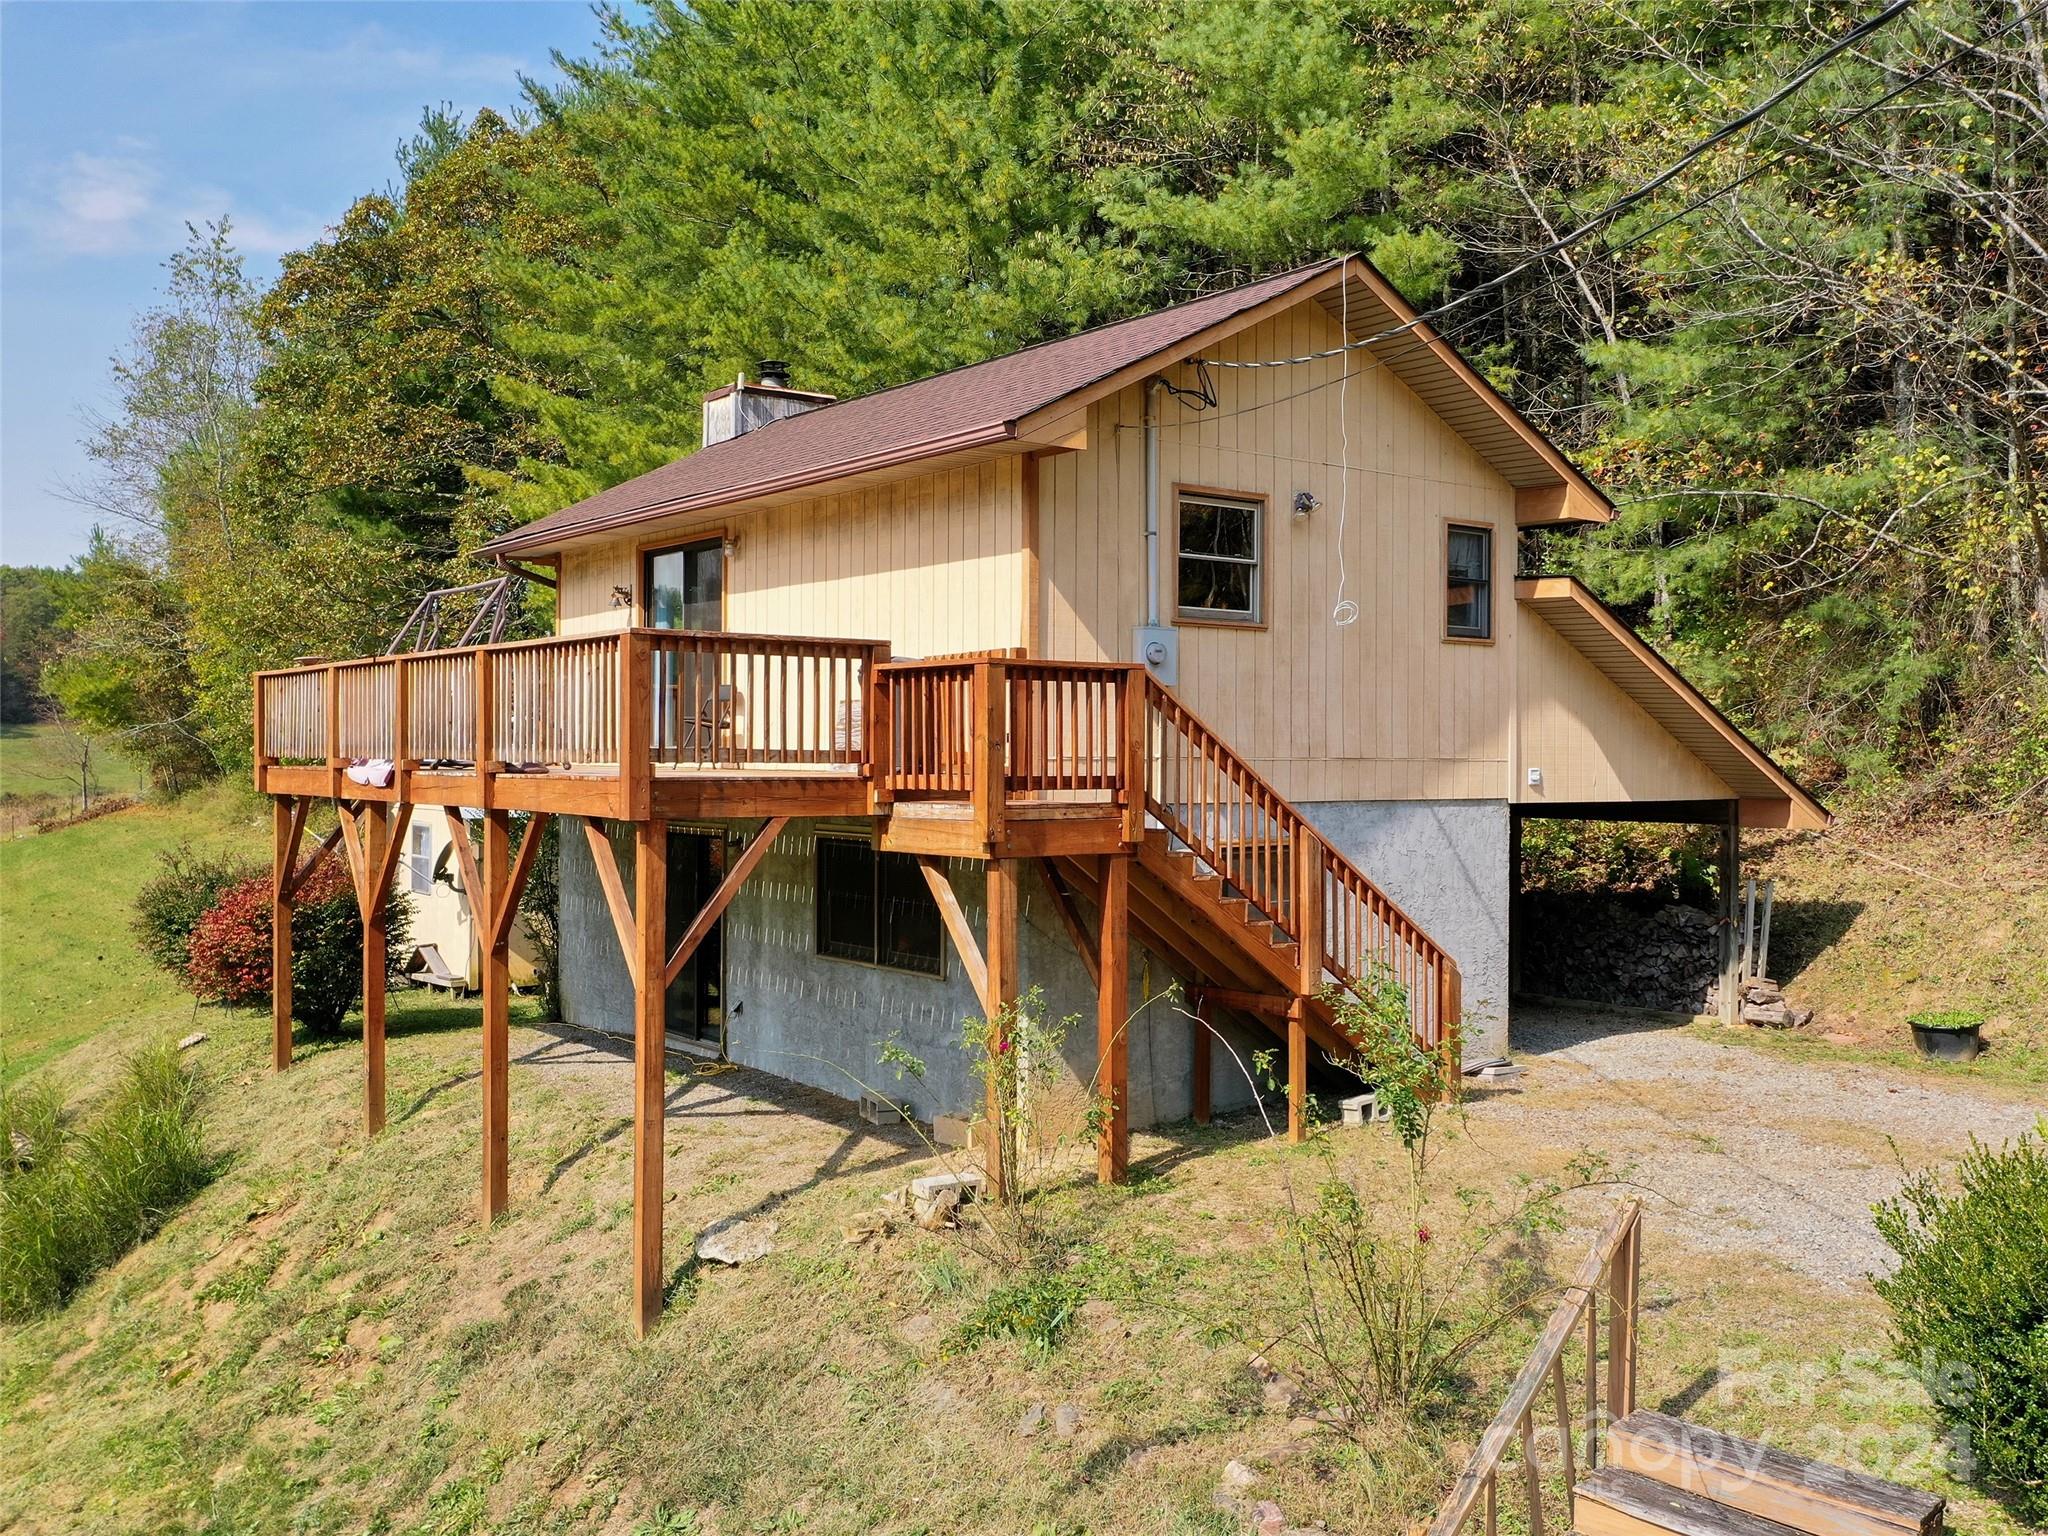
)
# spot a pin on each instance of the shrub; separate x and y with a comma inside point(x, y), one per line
point(230, 949)
point(184, 889)
point(83, 1193)
point(1969, 1308)
point(1036, 1308)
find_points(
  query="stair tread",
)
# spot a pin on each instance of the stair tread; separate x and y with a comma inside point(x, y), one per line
point(1645, 1440)
point(1668, 1508)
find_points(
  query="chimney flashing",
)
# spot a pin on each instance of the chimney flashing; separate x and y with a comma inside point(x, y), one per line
point(735, 409)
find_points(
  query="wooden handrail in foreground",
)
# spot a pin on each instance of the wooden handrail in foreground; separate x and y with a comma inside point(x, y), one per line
point(1614, 1265)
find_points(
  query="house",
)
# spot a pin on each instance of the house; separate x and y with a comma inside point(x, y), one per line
point(1180, 668)
point(441, 913)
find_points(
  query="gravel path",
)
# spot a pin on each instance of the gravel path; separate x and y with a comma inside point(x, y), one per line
point(1753, 1154)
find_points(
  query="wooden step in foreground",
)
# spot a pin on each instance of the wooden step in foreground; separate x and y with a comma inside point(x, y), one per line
point(1805, 1495)
point(1617, 1502)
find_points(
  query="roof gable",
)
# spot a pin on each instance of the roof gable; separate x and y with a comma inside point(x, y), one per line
point(991, 404)
point(1627, 661)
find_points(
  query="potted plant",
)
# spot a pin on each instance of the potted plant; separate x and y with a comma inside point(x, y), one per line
point(1950, 1035)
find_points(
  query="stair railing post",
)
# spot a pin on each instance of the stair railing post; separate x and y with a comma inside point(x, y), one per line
point(486, 725)
point(636, 725)
point(401, 733)
point(333, 754)
point(877, 731)
point(1134, 766)
point(990, 751)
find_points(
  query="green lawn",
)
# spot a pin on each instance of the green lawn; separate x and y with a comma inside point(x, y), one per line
point(68, 968)
point(44, 760)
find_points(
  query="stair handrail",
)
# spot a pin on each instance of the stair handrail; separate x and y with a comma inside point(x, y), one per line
point(1612, 1265)
point(1433, 987)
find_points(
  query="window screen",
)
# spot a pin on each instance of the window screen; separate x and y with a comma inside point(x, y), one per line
point(875, 907)
point(1219, 558)
point(1468, 597)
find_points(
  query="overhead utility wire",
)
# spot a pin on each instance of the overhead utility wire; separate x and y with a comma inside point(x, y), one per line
point(1620, 205)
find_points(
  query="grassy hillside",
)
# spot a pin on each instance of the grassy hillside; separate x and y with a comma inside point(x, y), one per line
point(1875, 922)
point(68, 969)
point(39, 772)
point(328, 1340)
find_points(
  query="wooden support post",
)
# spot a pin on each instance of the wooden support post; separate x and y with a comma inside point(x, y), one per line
point(1001, 1128)
point(497, 989)
point(377, 837)
point(1730, 873)
point(1297, 1069)
point(1622, 1274)
point(1112, 1015)
point(1204, 1055)
point(650, 992)
point(287, 822)
point(1308, 936)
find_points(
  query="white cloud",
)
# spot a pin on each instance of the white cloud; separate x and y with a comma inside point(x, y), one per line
point(93, 204)
point(371, 57)
point(116, 201)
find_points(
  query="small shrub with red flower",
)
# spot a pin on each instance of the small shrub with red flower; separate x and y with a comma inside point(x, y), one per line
point(230, 947)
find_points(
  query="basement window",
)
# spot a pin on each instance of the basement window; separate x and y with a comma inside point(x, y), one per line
point(1468, 595)
point(1218, 557)
point(876, 908)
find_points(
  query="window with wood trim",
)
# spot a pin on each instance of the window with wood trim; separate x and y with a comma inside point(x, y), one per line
point(876, 908)
point(1220, 543)
point(1468, 593)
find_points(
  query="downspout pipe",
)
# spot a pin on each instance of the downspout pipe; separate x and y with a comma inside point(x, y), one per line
point(1154, 390)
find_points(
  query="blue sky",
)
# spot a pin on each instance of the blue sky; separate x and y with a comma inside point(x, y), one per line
point(118, 122)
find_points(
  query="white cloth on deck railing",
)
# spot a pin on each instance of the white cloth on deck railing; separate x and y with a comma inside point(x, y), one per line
point(373, 771)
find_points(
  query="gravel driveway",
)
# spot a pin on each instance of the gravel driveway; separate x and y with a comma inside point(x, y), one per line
point(1745, 1153)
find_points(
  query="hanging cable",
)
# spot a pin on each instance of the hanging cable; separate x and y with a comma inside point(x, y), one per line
point(1620, 205)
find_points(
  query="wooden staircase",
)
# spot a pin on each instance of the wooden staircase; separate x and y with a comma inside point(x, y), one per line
point(1234, 887)
point(1615, 1470)
point(1665, 1475)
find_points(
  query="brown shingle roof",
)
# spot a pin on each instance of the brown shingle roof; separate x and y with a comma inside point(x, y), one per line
point(963, 408)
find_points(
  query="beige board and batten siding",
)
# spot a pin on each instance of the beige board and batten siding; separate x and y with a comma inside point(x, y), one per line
point(1381, 709)
point(933, 563)
point(1591, 741)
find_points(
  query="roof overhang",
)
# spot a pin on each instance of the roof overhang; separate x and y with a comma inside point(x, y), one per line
point(1549, 489)
point(1769, 796)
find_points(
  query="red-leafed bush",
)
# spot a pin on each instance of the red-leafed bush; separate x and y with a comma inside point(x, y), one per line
point(230, 949)
point(228, 956)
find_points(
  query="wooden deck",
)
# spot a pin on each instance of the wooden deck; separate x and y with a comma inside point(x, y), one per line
point(1130, 801)
point(985, 756)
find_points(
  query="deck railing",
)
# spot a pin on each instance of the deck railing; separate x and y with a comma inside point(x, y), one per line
point(1239, 825)
point(756, 701)
point(1612, 1268)
point(566, 704)
point(555, 703)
